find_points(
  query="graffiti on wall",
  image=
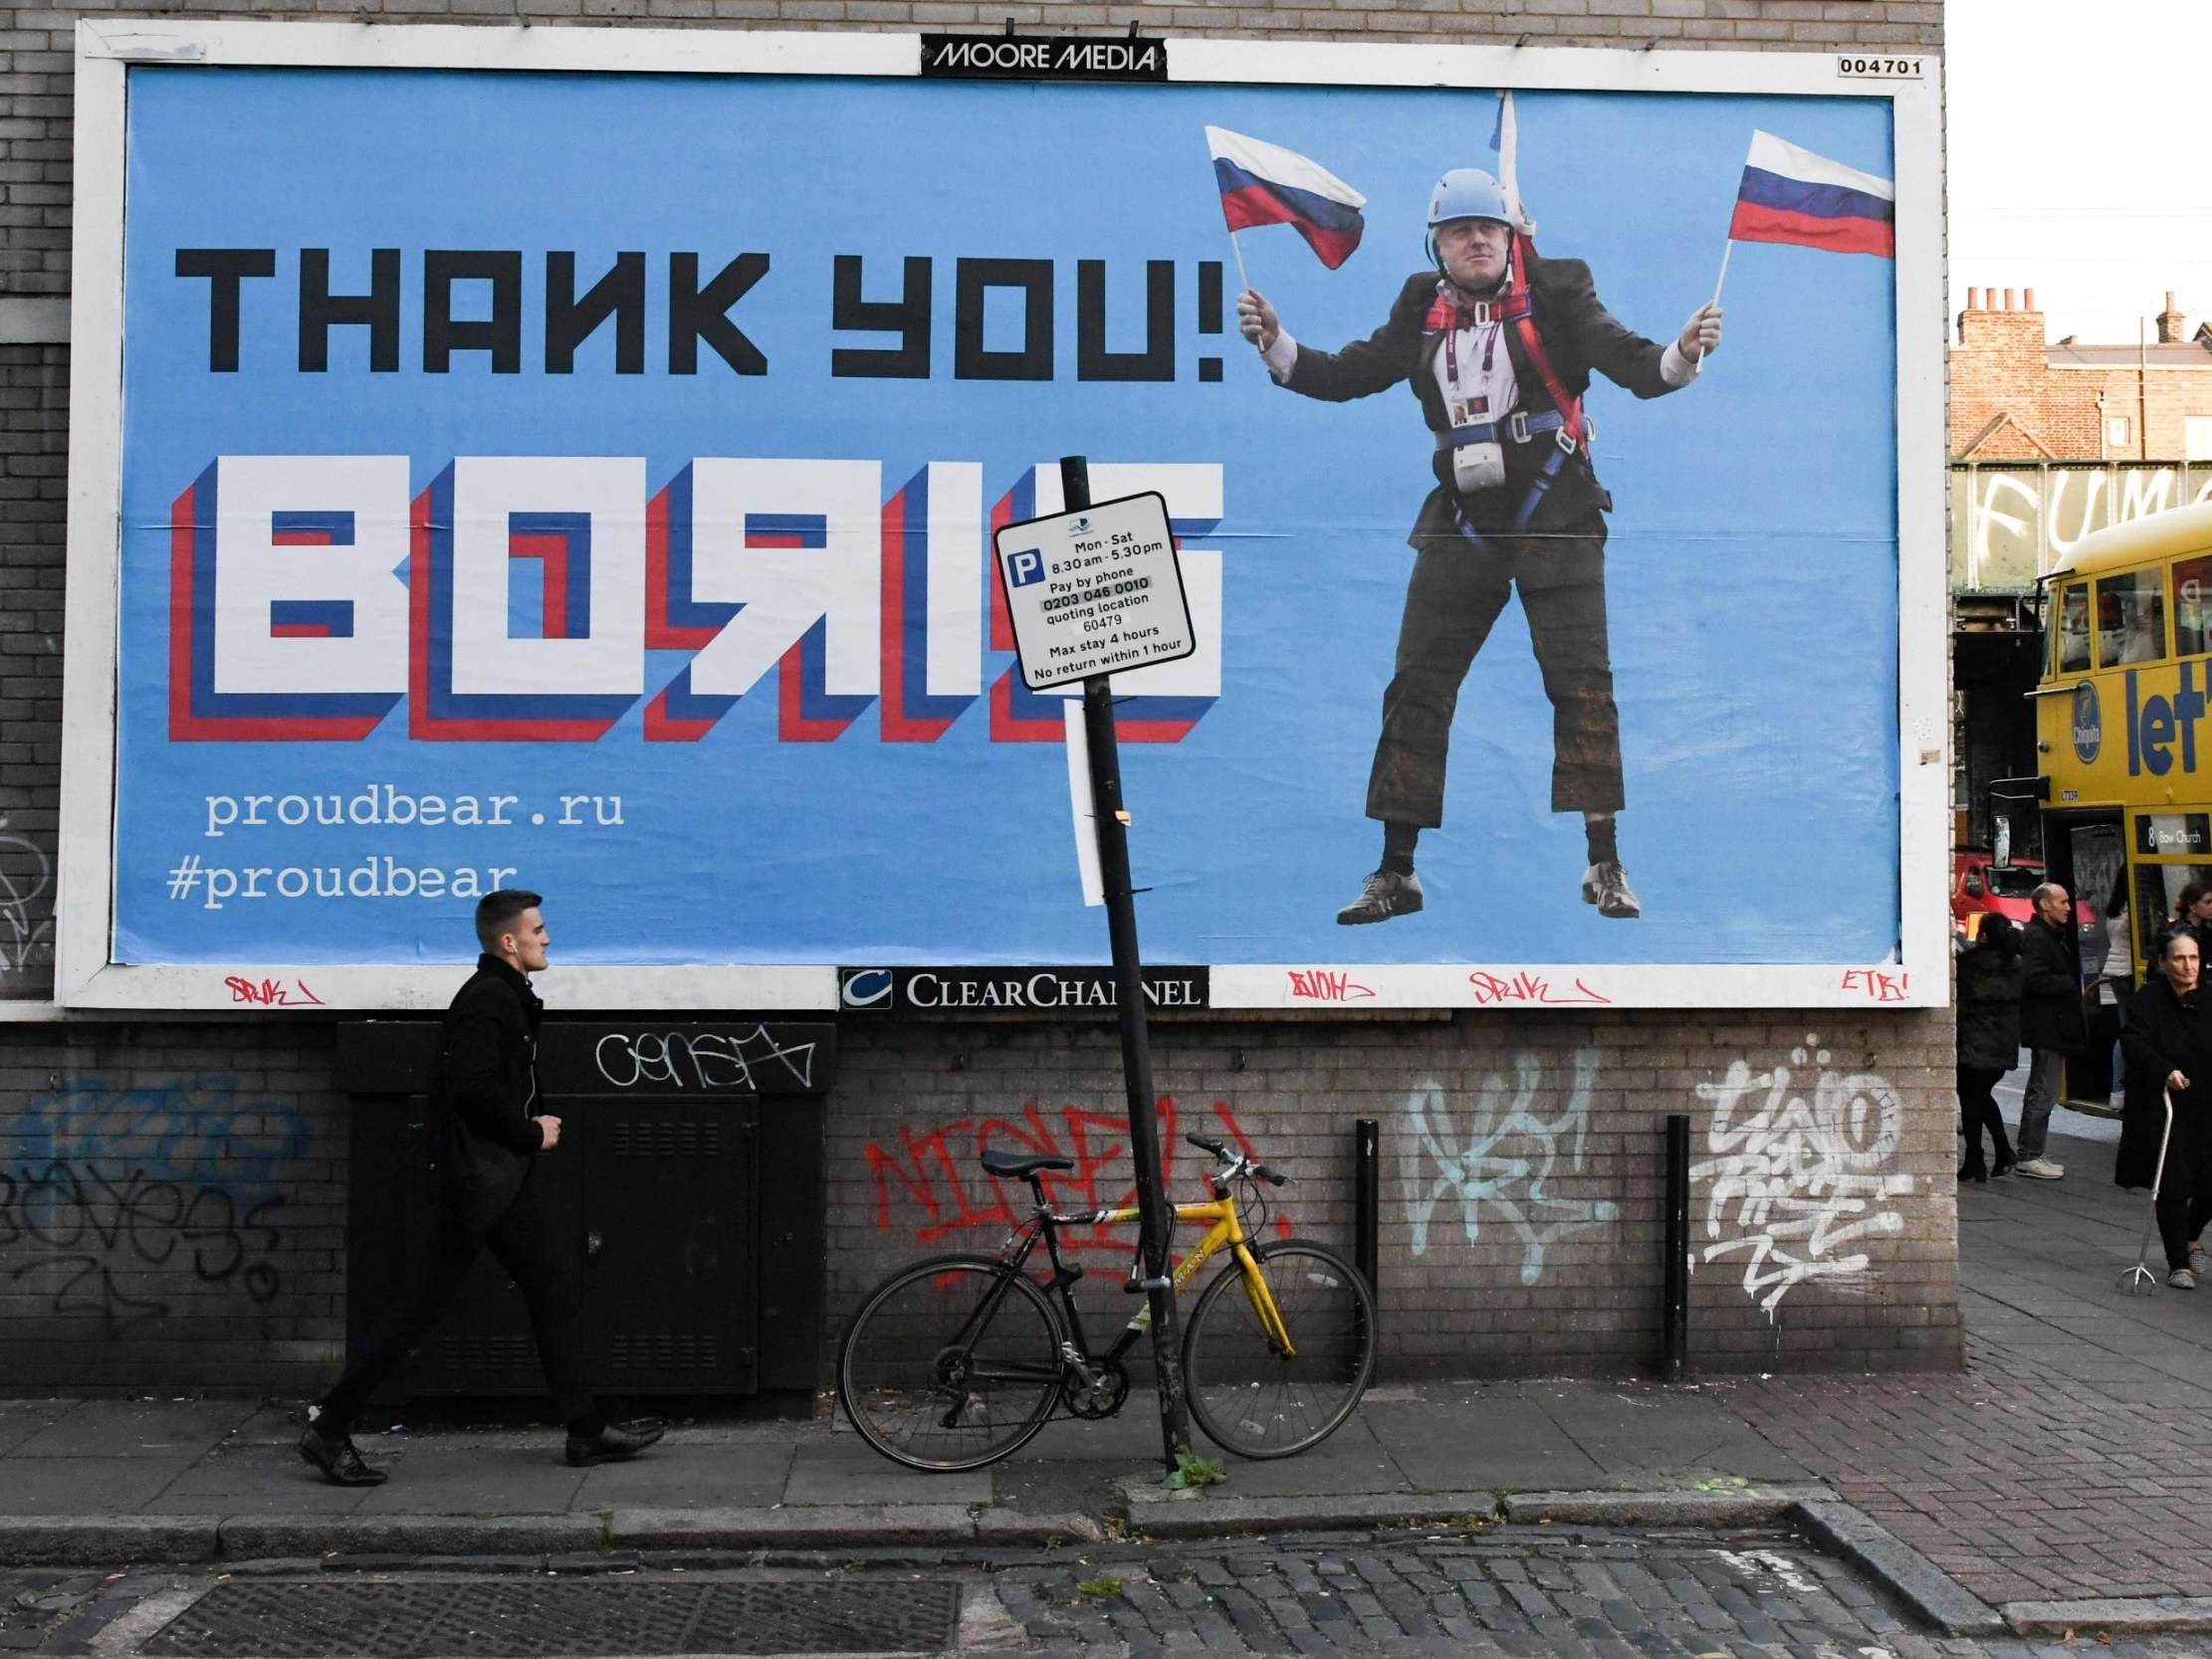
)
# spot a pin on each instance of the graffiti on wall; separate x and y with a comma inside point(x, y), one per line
point(2011, 525)
point(935, 1172)
point(110, 1189)
point(1520, 1133)
point(1800, 1171)
point(26, 912)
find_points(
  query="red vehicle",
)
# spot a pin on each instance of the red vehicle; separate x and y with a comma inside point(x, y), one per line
point(1980, 885)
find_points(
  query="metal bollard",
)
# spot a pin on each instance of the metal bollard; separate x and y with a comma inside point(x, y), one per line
point(1674, 1354)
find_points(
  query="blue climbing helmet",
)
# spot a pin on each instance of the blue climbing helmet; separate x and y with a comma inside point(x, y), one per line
point(1467, 193)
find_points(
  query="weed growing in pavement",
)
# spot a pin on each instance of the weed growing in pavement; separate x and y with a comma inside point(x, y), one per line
point(1191, 1471)
point(1104, 1585)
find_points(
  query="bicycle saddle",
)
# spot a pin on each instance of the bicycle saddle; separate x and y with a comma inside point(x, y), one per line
point(1008, 1163)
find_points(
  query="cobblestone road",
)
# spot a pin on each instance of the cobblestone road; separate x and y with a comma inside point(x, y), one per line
point(1498, 1593)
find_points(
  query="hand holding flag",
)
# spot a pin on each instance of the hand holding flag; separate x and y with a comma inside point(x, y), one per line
point(1792, 196)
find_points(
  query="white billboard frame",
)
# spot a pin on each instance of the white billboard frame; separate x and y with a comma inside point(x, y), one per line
point(1915, 975)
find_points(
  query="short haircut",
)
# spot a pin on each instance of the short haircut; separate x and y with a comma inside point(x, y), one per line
point(496, 911)
point(1997, 932)
point(2035, 897)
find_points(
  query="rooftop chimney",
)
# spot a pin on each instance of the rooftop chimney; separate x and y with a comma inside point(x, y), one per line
point(2171, 324)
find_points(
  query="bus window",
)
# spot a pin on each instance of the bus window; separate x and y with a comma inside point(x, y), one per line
point(2130, 618)
point(2074, 630)
point(2158, 892)
point(2192, 587)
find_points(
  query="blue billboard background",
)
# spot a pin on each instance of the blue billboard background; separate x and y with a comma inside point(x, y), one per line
point(1752, 564)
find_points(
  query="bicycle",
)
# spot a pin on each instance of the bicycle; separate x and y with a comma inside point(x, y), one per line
point(957, 1360)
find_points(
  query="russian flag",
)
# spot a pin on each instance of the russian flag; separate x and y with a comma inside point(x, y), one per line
point(1791, 195)
point(1265, 184)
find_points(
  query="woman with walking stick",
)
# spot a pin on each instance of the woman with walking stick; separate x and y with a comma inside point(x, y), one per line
point(2168, 1044)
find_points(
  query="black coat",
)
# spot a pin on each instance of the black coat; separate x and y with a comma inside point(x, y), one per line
point(2163, 1034)
point(1579, 337)
point(2051, 993)
point(1989, 1009)
point(483, 1092)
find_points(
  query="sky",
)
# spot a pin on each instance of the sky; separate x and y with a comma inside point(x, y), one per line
point(2077, 167)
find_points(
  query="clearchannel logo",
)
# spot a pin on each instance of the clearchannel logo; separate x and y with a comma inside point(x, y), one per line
point(2088, 724)
point(866, 987)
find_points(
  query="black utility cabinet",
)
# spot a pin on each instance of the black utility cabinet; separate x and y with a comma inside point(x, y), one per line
point(688, 1178)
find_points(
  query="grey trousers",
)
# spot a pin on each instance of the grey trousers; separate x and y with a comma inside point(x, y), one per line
point(2036, 1102)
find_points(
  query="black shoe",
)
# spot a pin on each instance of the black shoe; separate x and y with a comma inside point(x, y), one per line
point(1387, 894)
point(1972, 1171)
point(613, 1441)
point(1607, 886)
point(339, 1460)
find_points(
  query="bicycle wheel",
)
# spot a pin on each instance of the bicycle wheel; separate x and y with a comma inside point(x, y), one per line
point(951, 1363)
point(1250, 1396)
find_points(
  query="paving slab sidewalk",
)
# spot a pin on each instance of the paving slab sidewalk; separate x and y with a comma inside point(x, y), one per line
point(2059, 1471)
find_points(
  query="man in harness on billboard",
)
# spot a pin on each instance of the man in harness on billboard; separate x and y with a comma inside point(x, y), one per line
point(1498, 344)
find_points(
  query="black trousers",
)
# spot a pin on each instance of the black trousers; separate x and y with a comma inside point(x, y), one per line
point(521, 1243)
point(1977, 1111)
point(1455, 593)
point(2185, 1189)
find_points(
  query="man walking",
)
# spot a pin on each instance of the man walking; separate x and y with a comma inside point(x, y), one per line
point(1499, 345)
point(484, 1093)
point(2051, 1022)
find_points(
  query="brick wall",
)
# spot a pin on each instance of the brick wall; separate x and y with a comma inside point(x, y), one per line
point(2001, 367)
point(172, 1196)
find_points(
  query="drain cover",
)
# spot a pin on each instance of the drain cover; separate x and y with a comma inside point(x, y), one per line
point(509, 1619)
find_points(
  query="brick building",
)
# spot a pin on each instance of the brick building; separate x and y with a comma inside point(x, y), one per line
point(2017, 395)
point(175, 1192)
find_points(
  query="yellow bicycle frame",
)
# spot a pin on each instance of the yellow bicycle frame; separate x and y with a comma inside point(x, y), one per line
point(1225, 1228)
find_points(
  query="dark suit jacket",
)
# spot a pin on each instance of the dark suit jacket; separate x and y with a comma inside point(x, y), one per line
point(1579, 337)
point(2050, 990)
point(484, 1091)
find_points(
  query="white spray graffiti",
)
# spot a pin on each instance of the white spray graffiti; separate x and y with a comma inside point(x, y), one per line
point(1799, 1180)
point(1510, 1152)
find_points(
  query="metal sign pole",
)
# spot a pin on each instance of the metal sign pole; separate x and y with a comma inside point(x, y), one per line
point(1155, 1216)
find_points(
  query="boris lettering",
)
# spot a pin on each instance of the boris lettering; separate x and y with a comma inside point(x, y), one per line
point(520, 597)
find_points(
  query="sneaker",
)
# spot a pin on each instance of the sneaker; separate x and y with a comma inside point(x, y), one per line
point(2039, 1170)
point(1607, 886)
point(1384, 895)
point(2181, 1278)
point(2199, 1260)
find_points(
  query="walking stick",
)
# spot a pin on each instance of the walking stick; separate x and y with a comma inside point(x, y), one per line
point(2139, 1280)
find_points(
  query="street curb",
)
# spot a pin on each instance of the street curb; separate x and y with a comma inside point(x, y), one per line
point(1923, 1588)
point(262, 1537)
point(2121, 1615)
point(1751, 1506)
point(1200, 1513)
point(824, 1526)
point(70, 1540)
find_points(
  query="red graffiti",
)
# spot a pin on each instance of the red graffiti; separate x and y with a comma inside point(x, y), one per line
point(272, 993)
point(1325, 984)
point(1879, 984)
point(937, 1171)
point(1527, 987)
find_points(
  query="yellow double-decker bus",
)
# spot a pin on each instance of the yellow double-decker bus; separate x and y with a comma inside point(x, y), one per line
point(2124, 751)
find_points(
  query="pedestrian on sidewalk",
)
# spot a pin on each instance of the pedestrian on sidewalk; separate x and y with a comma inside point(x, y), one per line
point(2168, 1039)
point(493, 1129)
point(1989, 976)
point(2051, 1022)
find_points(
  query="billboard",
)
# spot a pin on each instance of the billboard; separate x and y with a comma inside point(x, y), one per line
point(569, 461)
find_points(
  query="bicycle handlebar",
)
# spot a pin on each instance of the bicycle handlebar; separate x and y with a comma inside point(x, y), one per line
point(1221, 1151)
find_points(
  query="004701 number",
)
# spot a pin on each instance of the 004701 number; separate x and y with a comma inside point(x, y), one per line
point(1878, 68)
